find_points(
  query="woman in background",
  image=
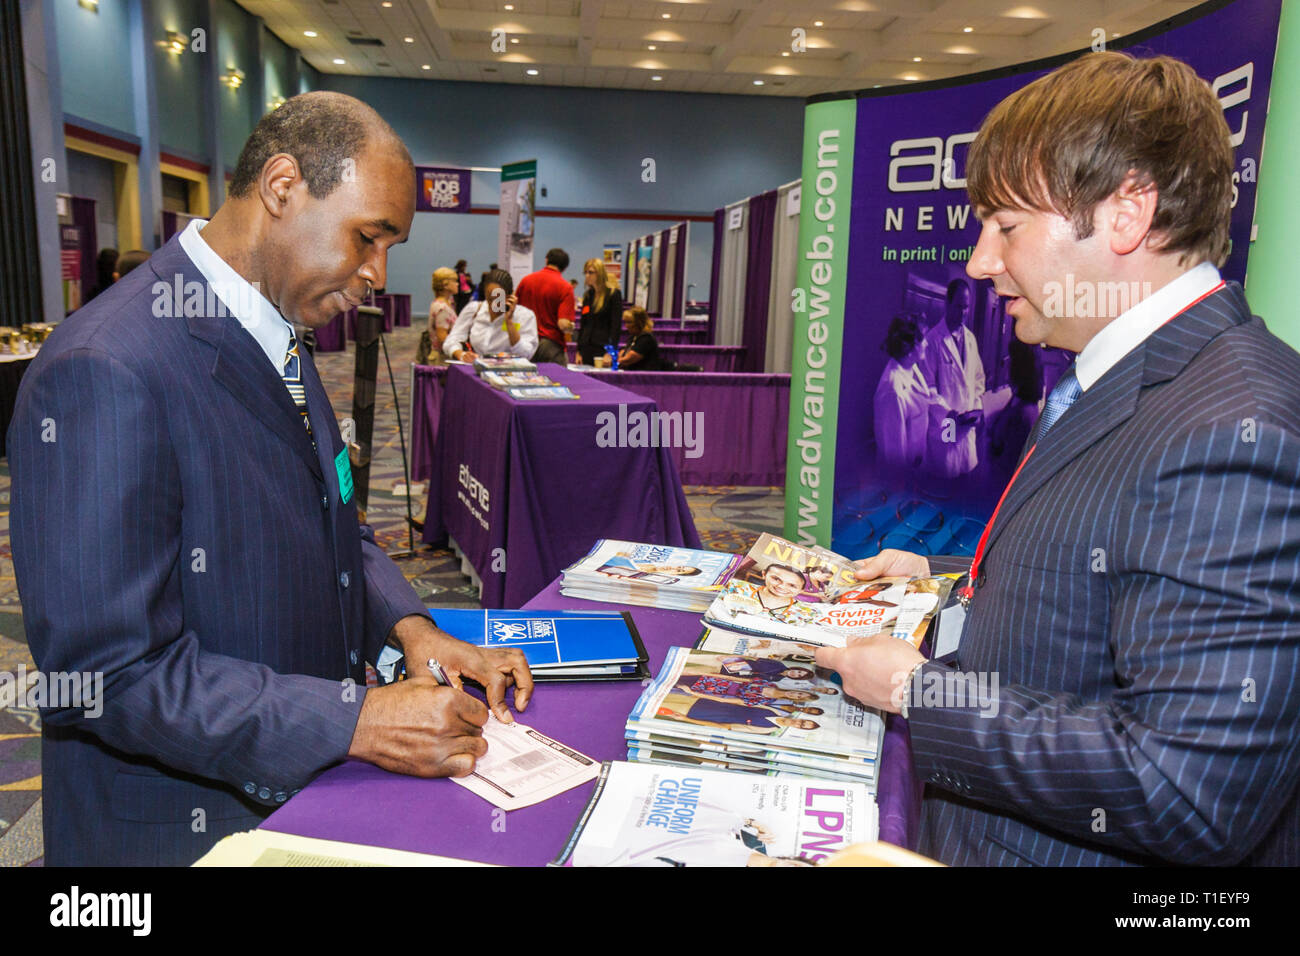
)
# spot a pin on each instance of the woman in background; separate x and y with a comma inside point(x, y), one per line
point(464, 285)
point(601, 311)
point(642, 352)
point(442, 316)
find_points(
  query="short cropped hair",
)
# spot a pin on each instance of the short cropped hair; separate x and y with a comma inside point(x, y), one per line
point(321, 130)
point(1068, 140)
point(558, 258)
point(953, 287)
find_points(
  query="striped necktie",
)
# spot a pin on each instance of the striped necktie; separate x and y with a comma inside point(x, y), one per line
point(1065, 394)
point(292, 375)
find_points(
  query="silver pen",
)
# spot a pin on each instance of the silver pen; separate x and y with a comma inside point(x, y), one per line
point(438, 673)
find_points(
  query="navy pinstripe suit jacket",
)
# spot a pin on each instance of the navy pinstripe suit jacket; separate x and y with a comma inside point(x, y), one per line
point(174, 529)
point(1139, 606)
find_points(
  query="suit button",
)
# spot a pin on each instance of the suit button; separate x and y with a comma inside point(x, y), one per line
point(264, 794)
point(281, 797)
point(345, 579)
point(250, 788)
point(324, 502)
point(354, 657)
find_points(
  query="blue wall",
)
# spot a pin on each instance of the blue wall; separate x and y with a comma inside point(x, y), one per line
point(279, 59)
point(179, 78)
point(237, 34)
point(94, 63)
point(590, 146)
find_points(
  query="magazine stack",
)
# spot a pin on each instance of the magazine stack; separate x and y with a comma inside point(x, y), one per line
point(770, 712)
point(649, 575)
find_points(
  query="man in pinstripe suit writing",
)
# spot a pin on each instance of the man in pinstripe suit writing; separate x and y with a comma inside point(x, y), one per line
point(184, 521)
point(1133, 599)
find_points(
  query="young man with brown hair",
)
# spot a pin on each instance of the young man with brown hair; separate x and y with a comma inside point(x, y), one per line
point(1134, 596)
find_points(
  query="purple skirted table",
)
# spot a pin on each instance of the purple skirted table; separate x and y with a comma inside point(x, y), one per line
point(401, 308)
point(743, 419)
point(525, 487)
point(382, 302)
point(427, 384)
point(359, 803)
point(330, 338)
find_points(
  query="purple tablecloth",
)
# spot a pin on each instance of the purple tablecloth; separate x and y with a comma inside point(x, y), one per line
point(743, 417)
point(427, 384)
point(382, 302)
point(329, 338)
point(401, 308)
point(526, 488)
point(359, 803)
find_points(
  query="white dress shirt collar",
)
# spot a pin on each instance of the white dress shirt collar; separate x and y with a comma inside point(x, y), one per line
point(1133, 327)
point(241, 298)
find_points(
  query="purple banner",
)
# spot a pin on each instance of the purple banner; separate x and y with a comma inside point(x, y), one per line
point(911, 233)
point(441, 189)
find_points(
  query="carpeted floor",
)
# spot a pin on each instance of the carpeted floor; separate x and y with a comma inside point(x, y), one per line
point(728, 519)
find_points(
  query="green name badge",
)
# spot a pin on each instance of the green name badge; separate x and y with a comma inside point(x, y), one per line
point(344, 468)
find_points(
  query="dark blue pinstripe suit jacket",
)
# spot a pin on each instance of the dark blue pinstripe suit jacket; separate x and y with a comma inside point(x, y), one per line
point(180, 535)
point(1140, 609)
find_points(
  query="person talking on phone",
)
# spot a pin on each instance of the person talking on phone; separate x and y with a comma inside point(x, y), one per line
point(496, 324)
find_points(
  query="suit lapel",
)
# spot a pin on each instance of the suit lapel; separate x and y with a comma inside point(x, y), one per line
point(1114, 398)
point(239, 364)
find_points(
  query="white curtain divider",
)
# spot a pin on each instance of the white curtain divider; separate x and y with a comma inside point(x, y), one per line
point(669, 260)
point(656, 263)
point(729, 324)
point(785, 274)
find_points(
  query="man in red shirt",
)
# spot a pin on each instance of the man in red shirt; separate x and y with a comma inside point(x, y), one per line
point(550, 296)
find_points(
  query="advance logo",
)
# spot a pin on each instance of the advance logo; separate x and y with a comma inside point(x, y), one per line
point(103, 909)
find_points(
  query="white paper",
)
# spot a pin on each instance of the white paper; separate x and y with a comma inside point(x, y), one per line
point(523, 767)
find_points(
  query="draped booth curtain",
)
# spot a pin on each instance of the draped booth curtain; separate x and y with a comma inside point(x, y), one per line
point(20, 292)
point(715, 272)
point(654, 297)
point(729, 294)
point(785, 274)
point(758, 284)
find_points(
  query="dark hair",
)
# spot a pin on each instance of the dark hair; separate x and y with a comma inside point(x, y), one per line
point(1069, 139)
point(460, 265)
point(1025, 372)
point(129, 260)
point(558, 258)
point(953, 286)
point(499, 277)
point(321, 130)
point(904, 332)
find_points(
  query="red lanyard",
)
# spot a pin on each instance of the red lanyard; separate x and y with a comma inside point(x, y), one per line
point(968, 591)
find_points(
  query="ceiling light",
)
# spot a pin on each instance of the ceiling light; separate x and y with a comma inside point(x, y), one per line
point(650, 47)
point(386, 4)
point(916, 59)
point(338, 61)
point(967, 29)
point(425, 66)
point(309, 33)
point(408, 39)
point(514, 39)
point(531, 72)
point(656, 77)
point(510, 6)
point(758, 82)
point(818, 23)
point(666, 16)
point(785, 52)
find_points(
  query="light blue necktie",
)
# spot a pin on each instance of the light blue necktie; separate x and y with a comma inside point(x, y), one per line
point(1065, 394)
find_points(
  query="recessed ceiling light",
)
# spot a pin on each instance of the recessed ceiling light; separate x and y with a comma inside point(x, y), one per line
point(656, 78)
point(818, 23)
point(758, 82)
point(785, 52)
point(425, 67)
point(531, 72)
point(510, 6)
point(309, 33)
point(386, 4)
point(338, 61)
point(650, 47)
point(916, 59)
point(514, 39)
point(967, 29)
point(408, 39)
point(666, 16)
